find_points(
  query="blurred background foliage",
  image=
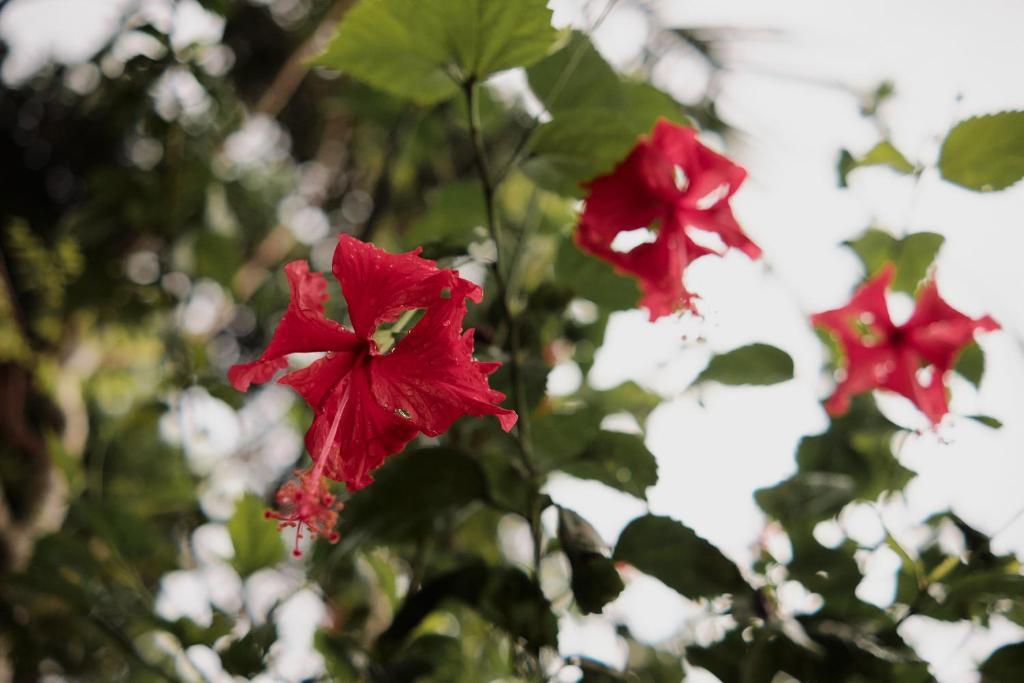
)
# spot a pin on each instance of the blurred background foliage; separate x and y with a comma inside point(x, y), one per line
point(150, 197)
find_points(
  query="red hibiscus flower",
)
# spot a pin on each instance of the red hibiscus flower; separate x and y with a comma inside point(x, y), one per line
point(672, 185)
point(370, 401)
point(911, 359)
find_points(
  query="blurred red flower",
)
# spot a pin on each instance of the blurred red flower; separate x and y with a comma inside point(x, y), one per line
point(371, 401)
point(674, 187)
point(911, 359)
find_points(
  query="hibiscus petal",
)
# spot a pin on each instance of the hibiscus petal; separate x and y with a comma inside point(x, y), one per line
point(621, 202)
point(432, 378)
point(905, 380)
point(706, 171)
point(864, 369)
point(938, 331)
point(720, 220)
point(658, 267)
point(863, 329)
point(302, 329)
point(367, 433)
point(315, 382)
point(379, 286)
point(650, 189)
point(618, 202)
point(868, 307)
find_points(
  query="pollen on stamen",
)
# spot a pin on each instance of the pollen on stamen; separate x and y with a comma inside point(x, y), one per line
point(306, 502)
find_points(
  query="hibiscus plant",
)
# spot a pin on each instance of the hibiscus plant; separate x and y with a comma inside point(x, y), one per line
point(218, 463)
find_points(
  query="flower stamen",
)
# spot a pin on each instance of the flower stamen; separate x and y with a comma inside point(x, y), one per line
point(308, 502)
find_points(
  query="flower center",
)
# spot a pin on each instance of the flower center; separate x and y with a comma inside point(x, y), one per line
point(870, 334)
point(387, 335)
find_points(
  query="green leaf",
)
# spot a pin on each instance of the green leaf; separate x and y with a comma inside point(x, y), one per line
point(628, 396)
point(985, 153)
point(533, 373)
point(1004, 665)
point(758, 364)
point(508, 489)
point(401, 506)
point(424, 50)
point(571, 149)
point(846, 652)
point(245, 656)
point(338, 650)
point(503, 595)
point(852, 460)
point(912, 255)
point(256, 539)
point(882, 154)
point(971, 364)
point(598, 116)
point(971, 585)
point(987, 420)
point(728, 659)
point(832, 573)
point(575, 444)
point(453, 211)
point(189, 632)
point(438, 655)
point(645, 104)
point(595, 581)
point(584, 143)
point(874, 248)
point(975, 593)
point(672, 553)
point(619, 460)
point(575, 77)
point(560, 437)
point(377, 43)
point(592, 279)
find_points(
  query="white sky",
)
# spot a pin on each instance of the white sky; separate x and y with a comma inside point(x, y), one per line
point(716, 446)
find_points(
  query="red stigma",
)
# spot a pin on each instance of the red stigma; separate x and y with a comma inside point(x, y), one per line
point(306, 502)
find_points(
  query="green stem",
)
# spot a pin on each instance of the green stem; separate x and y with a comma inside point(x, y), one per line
point(519, 401)
point(530, 221)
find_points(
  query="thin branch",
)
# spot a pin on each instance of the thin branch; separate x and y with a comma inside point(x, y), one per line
point(291, 74)
point(483, 169)
point(530, 220)
point(1009, 523)
point(515, 372)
